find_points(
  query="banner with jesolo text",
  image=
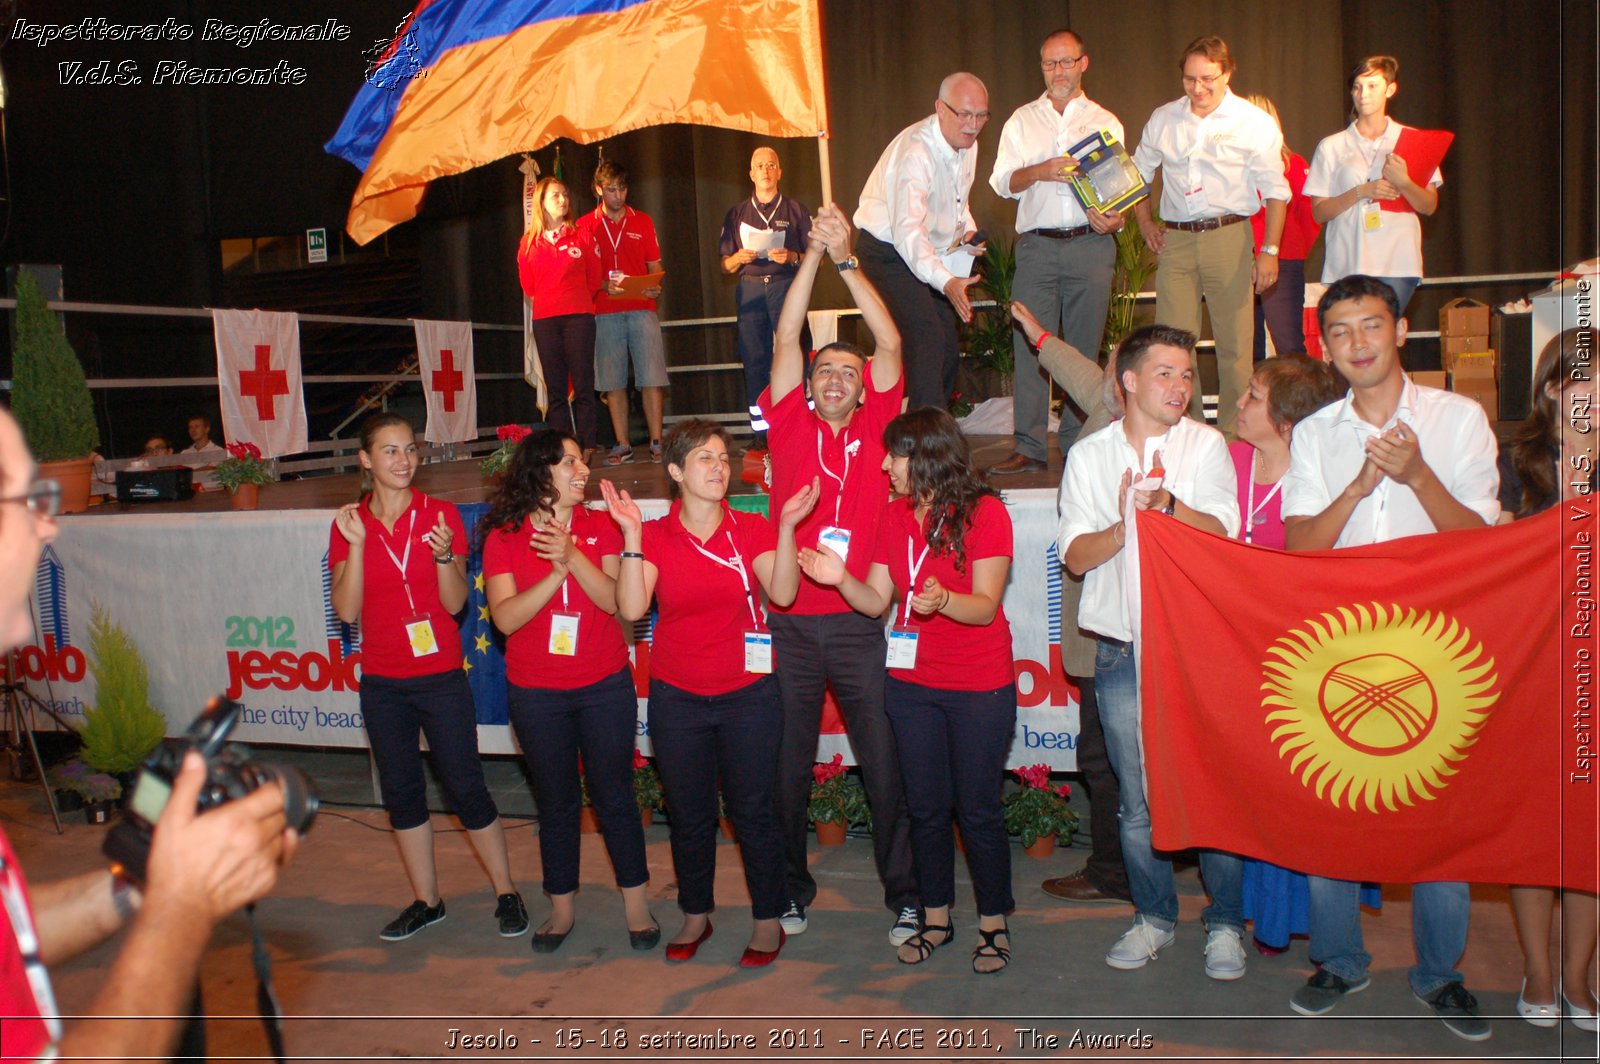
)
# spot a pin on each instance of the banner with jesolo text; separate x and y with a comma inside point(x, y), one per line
point(239, 602)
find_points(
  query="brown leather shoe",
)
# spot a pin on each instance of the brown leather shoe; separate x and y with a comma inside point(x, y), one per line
point(1077, 887)
point(1017, 463)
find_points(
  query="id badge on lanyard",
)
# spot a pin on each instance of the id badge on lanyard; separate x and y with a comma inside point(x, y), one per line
point(564, 623)
point(835, 537)
point(902, 637)
point(757, 642)
point(418, 627)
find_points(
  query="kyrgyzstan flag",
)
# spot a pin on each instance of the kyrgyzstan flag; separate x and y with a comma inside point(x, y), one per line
point(258, 378)
point(1406, 711)
point(444, 358)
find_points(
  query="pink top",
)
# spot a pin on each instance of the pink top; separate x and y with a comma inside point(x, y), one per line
point(1260, 513)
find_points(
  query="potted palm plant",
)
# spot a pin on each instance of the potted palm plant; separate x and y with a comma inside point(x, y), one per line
point(122, 727)
point(50, 398)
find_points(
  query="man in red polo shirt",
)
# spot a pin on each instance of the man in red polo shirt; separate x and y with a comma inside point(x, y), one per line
point(838, 439)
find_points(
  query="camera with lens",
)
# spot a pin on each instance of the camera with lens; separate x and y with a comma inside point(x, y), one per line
point(229, 775)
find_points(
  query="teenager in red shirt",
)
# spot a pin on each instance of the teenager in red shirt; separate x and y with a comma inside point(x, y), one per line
point(395, 570)
point(944, 549)
point(560, 272)
point(715, 712)
point(552, 567)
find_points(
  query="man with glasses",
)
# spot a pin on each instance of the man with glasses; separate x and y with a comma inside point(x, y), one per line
point(201, 868)
point(1065, 255)
point(913, 214)
point(1221, 158)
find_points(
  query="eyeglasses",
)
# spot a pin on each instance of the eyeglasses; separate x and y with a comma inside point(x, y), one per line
point(1065, 64)
point(967, 116)
point(1208, 80)
point(43, 499)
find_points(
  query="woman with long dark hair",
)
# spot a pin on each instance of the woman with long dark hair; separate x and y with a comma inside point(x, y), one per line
point(551, 565)
point(944, 549)
point(1536, 473)
point(395, 569)
point(715, 714)
point(560, 272)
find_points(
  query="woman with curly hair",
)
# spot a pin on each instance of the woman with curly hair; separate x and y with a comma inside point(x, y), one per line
point(1537, 471)
point(551, 566)
point(944, 549)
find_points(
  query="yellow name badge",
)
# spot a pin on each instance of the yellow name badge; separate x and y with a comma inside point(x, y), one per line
point(420, 635)
point(564, 634)
point(1371, 216)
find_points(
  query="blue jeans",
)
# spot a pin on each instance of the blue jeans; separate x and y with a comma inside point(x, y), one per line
point(555, 727)
point(1155, 898)
point(760, 301)
point(1439, 914)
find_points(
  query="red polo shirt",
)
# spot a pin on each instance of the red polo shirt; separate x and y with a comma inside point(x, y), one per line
point(703, 609)
point(560, 276)
point(385, 607)
point(950, 655)
point(27, 1032)
point(804, 446)
point(601, 650)
point(628, 245)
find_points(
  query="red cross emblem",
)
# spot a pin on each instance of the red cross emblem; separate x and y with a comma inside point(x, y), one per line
point(447, 381)
point(263, 383)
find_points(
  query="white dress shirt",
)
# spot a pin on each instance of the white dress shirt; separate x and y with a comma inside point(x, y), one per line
point(1034, 133)
point(1199, 472)
point(1225, 163)
point(1394, 248)
point(1455, 440)
point(916, 199)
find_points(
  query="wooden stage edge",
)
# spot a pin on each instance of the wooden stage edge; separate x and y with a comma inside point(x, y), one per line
point(461, 482)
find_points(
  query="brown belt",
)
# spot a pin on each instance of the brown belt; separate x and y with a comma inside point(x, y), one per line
point(1064, 234)
point(1205, 225)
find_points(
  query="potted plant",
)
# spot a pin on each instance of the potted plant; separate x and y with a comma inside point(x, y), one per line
point(1134, 266)
point(99, 793)
point(1037, 813)
point(509, 436)
point(122, 727)
point(243, 474)
point(66, 779)
point(646, 786)
point(50, 398)
point(832, 800)
point(987, 363)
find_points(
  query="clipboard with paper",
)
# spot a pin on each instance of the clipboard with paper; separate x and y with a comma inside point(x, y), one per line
point(1423, 150)
point(1105, 179)
point(633, 286)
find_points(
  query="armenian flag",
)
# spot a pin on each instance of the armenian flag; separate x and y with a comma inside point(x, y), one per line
point(466, 82)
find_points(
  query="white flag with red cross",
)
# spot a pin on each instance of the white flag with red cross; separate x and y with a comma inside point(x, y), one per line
point(444, 358)
point(258, 376)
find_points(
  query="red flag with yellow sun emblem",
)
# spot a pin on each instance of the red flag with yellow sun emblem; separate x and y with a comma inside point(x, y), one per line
point(1405, 711)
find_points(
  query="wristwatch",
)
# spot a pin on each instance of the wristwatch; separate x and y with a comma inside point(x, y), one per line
point(852, 263)
point(1172, 504)
point(449, 556)
point(1269, 249)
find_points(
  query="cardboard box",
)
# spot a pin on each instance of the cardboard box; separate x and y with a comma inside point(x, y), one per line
point(1451, 346)
point(1483, 391)
point(1464, 317)
point(1473, 365)
point(1434, 378)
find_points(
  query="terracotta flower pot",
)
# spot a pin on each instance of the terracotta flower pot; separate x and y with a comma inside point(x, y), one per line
point(99, 812)
point(830, 833)
point(76, 476)
point(588, 821)
point(1042, 847)
point(245, 496)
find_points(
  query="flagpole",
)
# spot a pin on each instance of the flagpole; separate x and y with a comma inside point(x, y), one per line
point(823, 159)
point(827, 167)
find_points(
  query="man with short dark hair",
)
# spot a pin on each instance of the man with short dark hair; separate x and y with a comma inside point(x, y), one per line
point(914, 213)
point(1171, 463)
point(1392, 459)
point(200, 437)
point(1220, 158)
point(1065, 254)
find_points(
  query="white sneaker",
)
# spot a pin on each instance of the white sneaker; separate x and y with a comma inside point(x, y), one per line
point(1224, 954)
point(793, 921)
point(1138, 945)
point(908, 923)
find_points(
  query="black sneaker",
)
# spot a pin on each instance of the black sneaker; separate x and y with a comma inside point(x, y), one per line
point(511, 913)
point(793, 920)
point(1323, 991)
point(1458, 1011)
point(907, 924)
point(412, 918)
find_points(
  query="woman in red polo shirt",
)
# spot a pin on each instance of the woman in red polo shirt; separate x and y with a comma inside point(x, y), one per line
point(395, 570)
point(714, 706)
point(560, 272)
point(552, 565)
point(944, 549)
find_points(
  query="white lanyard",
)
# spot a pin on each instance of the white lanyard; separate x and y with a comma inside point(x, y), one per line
point(1250, 499)
point(837, 478)
point(916, 566)
point(616, 240)
point(736, 563)
point(565, 606)
point(22, 929)
point(766, 219)
point(405, 559)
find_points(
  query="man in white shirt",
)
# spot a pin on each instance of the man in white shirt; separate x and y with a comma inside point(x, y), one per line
point(200, 438)
point(1155, 368)
point(913, 214)
point(1065, 255)
point(1392, 459)
point(1221, 158)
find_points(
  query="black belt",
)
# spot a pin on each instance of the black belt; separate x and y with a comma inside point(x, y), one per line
point(761, 278)
point(1205, 225)
point(1064, 234)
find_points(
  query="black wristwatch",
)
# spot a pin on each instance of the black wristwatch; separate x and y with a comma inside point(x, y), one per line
point(449, 556)
point(1171, 508)
point(852, 263)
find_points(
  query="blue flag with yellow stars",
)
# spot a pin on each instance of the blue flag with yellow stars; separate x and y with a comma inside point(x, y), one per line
point(482, 646)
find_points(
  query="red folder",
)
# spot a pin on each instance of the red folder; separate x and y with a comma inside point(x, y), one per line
point(1423, 150)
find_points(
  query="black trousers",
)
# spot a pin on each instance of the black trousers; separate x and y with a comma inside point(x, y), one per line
point(1104, 870)
point(566, 352)
point(847, 650)
point(925, 318)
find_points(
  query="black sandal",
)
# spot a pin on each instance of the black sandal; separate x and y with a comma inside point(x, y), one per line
point(925, 948)
point(989, 948)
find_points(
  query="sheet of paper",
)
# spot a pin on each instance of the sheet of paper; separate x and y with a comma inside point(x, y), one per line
point(633, 287)
point(762, 240)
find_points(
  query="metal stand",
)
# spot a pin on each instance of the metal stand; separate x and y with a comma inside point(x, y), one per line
point(18, 720)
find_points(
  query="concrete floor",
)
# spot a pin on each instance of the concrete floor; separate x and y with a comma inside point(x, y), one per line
point(836, 993)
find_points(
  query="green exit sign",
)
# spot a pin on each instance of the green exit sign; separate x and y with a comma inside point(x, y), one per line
point(316, 245)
